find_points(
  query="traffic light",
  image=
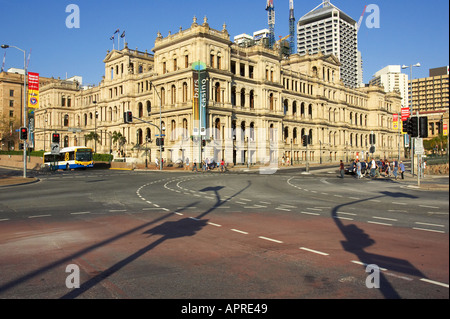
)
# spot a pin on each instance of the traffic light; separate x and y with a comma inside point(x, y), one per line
point(160, 141)
point(23, 133)
point(414, 130)
point(405, 125)
point(423, 130)
point(128, 117)
point(203, 143)
point(305, 140)
point(55, 138)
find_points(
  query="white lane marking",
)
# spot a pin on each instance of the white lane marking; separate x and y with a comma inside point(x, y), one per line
point(364, 264)
point(239, 231)
point(196, 219)
point(309, 213)
point(4, 219)
point(39, 216)
point(431, 230)
point(434, 282)
point(340, 217)
point(426, 206)
point(270, 239)
point(384, 218)
point(399, 203)
point(117, 210)
point(378, 223)
point(286, 210)
point(437, 225)
point(314, 251)
point(212, 224)
point(80, 213)
point(351, 214)
point(180, 214)
point(338, 196)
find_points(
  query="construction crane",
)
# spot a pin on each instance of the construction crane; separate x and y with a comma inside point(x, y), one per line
point(291, 26)
point(360, 20)
point(270, 8)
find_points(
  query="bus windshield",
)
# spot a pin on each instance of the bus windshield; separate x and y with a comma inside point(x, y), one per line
point(84, 155)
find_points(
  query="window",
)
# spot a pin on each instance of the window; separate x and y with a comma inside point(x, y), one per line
point(11, 103)
point(175, 64)
point(219, 62)
point(11, 92)
point(164, 68)
point(186, 61)
point(11, 113)
point(63, 101)
point(211, 60)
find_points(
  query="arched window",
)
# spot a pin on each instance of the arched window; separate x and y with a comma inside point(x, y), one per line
point(217, 92)
point(217, 129)
point(252, 132)
point(174, 94)
point(252, 99)
point(310, 112)
point(294, 108)
point(173, 130)
point(140, 109)
point(66, 120)
point(233, 96)
point(271, 102)
point(310, 136)
point(286, 106)
point(242, 97)
point(185, 92)
point(185, 129)
point(271, 133)
point(163, 96)
point(149, 107)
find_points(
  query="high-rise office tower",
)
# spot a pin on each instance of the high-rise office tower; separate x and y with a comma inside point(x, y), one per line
point(326, 28)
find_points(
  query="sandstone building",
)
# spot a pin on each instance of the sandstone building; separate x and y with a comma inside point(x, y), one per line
point(258, 108)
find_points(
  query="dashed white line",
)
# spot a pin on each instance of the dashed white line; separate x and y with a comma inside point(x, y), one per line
point(399, 203)
point(239, 231)
point(426, 206)
point(378, 223)
point(434, 282)
point(213, 224)
point(80, 213)
point(39, 216)
point(309, 213)
point(384, 218)
point(437, 225)
point(279, 208)
point(270, 239)
point(314, 251)
point(4, 219)
point(430, 230)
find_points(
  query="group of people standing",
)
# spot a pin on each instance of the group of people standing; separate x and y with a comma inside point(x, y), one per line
point(206, 165)
point(374, 169)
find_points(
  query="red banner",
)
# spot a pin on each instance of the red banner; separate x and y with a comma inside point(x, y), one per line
point(405, 113)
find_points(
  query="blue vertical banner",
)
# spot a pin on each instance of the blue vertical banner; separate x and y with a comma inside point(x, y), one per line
point(203, 82)
point(200, 98)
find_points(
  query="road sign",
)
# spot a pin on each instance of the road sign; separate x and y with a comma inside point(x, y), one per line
point(55, 148)
point(74, 129)
point(419, 150)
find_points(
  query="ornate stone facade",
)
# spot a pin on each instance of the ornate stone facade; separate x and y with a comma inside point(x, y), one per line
point(260, 104)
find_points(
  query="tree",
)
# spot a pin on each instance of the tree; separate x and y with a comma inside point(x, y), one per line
point(8, 134)
point(118, 138)
point(92, 136)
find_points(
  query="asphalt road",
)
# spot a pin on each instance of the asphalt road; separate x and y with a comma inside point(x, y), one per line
point(248, 235)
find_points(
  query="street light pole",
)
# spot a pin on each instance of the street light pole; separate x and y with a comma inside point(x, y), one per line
point(6, 46)
point(411, 110)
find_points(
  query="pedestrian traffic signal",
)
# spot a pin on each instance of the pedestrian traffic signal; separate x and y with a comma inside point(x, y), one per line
point(23, 133)
point(55, 138)
point(160, 141)
point(423, 124)
point(128, 117)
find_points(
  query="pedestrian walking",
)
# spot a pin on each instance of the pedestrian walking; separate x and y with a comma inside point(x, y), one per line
point(395, 164)
point(358, 169)
point(194, 167)
point(186, 164)
point(156, 162)
point(373, 167)
point(222, 165)
point(402, 169)
point(342, 169)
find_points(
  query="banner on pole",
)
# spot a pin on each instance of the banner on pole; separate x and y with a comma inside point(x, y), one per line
point(33, 90)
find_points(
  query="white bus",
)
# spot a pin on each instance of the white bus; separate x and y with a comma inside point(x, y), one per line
point(70, 158)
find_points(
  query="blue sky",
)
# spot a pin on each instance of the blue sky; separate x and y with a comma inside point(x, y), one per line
point(410, 31)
